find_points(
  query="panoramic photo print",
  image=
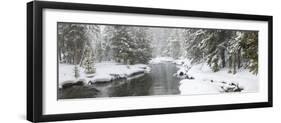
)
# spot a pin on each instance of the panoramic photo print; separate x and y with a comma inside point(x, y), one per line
point(102, 60)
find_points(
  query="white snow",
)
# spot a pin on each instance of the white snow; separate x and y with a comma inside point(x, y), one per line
point(191, 87)
point(66, 74)
point(105, 71)
point(203, 75)
point(158, 60)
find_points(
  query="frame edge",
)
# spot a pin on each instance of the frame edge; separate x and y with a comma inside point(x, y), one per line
point(29, 40)
point(270, 60)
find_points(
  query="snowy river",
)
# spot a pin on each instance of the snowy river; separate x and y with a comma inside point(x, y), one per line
point(160, 81)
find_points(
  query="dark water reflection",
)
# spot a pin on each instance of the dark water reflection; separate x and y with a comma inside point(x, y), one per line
point(159, 81)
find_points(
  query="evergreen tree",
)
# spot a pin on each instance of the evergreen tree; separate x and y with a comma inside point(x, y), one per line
point(122, 45)
point(142, 52)
point(88, 62)
point(107, 36)
point(234, 51)
point(249, 43)
point(94, 37)
point(223, 48)
point(194, 44)
point(76, 72)
point(71, 40)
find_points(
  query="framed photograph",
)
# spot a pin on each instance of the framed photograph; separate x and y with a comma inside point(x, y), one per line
point(89, 61)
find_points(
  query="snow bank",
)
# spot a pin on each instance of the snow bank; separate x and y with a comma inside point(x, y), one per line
point(243, 77)
point(192, 87)
point(207, 82)
point(106, 71)
point(66, 74)
point(182, 62)
point(109, 71)
point(158, 60)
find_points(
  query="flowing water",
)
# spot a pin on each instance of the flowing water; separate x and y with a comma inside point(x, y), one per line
point(160, 81)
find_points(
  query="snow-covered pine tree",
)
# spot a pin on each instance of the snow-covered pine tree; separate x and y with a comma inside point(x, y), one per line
point(234, 51)
point(142, 52)
point(193, 44)
point(95, 41)
point(92, 40)
point(249, 44)
point(223, 48)
point(217, 48)
point(71, 41)
point(107, 35)
point(76, 72)
point(122, 45)
point(210, 46)
point(88, 62)
point(202, 45)
point(211, 49)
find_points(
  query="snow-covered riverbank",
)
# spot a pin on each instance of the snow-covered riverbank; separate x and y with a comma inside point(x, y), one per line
point(105, 72)
point(195, 78)
point(208, 82)
point(203, 81)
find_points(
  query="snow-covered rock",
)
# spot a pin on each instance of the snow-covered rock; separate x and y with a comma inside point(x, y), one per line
point(184, 66)
point(182, 73)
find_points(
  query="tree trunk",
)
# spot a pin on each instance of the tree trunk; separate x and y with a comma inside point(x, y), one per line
point(59, 54)
point(239, 58)
point(74, 55)
point(223, 58)
point(82, 57)
point(234, 63)
point(230, 61)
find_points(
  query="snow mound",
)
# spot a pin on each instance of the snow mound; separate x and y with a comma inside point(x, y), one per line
point(182, 73)
point(192, 87)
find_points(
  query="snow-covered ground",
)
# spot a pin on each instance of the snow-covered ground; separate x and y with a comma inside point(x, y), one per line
point(105, 71)
point(209, 82)
point(204, 81)
point(158, 60)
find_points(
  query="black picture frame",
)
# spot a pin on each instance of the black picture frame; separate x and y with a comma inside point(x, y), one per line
point(35, 69)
